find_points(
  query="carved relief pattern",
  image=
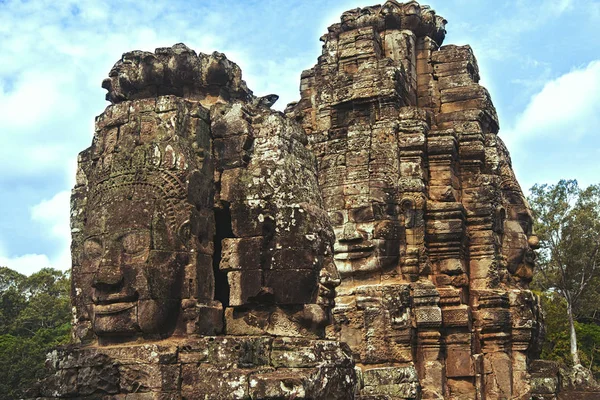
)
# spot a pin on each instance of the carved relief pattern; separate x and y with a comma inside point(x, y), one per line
point(399, 121)
point(371, 242)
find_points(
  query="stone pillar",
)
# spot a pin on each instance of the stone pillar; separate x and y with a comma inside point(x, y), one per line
point(413, 127)
point(400, 45)
point(493, 330)
point(525, 331)
point(460, 363)
point(427, 86)
point(430, 357)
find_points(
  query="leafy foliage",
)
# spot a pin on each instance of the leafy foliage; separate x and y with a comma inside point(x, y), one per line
point(567, 221)
point(568, 225)
point(556, 346)
point(588, 336)
point(34, 318)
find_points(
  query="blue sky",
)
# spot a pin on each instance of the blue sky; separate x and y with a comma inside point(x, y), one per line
point(540, 59)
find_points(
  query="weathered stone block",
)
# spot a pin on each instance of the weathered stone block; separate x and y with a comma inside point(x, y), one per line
point(389, 376)
point(280, 384)
point(206, 382)
point(244, 286)
point(399, 391)
point(241, 253)
point(458, 362)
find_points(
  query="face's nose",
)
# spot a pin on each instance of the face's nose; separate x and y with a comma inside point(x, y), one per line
point(329, 276)
point(107, 276)
point(109, 272)
point(350, 233)
point(107, 84)
point(534, 242)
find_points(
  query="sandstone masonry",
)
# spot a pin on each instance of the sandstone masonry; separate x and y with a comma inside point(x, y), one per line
point(372, 242)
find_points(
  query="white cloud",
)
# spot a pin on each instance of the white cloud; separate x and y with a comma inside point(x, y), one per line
point(284, 78)
point(29, 263)
point(52, 217)
point(566, 109)
point(559, 6)
point(54, 56)
point(500, 35)
point(556, 137)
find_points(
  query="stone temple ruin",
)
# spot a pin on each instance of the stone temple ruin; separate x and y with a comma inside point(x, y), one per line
point(372, 242)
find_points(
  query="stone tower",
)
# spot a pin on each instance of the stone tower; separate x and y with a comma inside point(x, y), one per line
point(433, 234)
point(202, 257)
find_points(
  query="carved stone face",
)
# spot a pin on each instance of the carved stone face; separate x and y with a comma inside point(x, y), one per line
point(359, 174)
point(368, 238)
point(518, 237)
point(137, 266)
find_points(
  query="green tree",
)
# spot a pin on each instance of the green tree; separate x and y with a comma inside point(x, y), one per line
point(12, 300)
point(10, 278)
point(22, 359)
point(567, 221)
point(556, 347)
point(34, 318)
point(588, 336)
point(47, 306)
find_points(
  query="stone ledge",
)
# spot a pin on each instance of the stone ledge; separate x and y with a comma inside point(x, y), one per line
point(218, 367)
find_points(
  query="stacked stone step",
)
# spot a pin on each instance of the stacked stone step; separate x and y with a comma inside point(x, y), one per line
point(216, 368)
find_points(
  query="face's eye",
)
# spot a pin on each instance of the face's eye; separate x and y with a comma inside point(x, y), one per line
point(136, 242)
point(363, 214)
point(385, 211)
point(92, 249)
point(526, 223)
point(337, 218)
point(388, 230)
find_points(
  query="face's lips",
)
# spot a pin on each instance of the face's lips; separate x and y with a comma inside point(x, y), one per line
point(352, 251)
point(111, 298)
point(114, 303)
point(114, 308)
point(326, 296)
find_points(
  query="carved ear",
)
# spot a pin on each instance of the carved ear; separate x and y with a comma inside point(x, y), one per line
point(499, 218)
point(184, 233)
point(408, 209)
